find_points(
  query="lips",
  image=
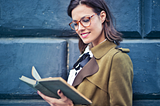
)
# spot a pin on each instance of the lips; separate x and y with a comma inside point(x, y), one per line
point(84, 35)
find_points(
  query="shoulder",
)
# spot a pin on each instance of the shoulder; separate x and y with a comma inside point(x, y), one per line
point(121, 56)
point(124, 50)
point(122, 59)
point(121, 64)
point(118, 52)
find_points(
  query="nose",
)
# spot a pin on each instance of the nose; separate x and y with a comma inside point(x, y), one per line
point(80, 27)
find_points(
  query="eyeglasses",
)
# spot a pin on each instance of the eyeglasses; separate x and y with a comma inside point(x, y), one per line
point(84, 21)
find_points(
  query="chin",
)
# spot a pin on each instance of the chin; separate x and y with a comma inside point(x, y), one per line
point(86, 42)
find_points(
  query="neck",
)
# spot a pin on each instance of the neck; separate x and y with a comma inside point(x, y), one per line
point(100, 39)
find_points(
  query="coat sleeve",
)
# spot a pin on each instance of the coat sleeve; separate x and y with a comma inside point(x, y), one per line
point(120, 80)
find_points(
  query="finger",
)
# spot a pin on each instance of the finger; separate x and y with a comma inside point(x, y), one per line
point(51, 101)
point(60, 93)
point(59, 102)
point(42, 95)
point(64, 99)
point(48, 99)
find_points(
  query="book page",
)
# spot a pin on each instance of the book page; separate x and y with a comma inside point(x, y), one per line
point(28, 80)
point(35, 74)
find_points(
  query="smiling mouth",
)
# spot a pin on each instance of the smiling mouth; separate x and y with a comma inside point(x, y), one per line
point(84, 35)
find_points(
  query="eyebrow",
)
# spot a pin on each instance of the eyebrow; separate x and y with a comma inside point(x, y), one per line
point(81, 18)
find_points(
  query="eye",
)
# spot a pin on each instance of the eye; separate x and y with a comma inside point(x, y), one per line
point(75, 24)
point(86, 19)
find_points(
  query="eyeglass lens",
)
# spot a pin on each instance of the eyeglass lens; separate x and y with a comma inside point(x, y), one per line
point(85, 22)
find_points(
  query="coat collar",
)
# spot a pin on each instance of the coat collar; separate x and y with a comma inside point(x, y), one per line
point(101, 49)
point(89, 69)
point(92, 67)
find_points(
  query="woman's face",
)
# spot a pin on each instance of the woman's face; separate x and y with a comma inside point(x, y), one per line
point(94, 33)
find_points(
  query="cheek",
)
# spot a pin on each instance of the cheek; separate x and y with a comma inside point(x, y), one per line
point(97, 23)
point(78, 33)
point(97, 26)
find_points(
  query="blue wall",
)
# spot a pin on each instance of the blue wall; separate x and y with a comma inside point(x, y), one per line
point(36, 32)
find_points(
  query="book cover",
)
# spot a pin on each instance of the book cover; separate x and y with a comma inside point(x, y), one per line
point(49, 87)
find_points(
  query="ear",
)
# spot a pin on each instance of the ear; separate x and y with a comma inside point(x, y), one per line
point(102, 16)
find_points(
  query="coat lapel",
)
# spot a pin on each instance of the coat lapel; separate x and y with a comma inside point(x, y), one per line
point(92, 67)
point(89, 69)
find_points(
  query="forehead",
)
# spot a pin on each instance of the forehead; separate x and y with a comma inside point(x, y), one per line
point(81, 11)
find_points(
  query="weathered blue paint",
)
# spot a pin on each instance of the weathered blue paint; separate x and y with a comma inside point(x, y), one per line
point(32, 102)
point(146, 103)
point(17, 56)
point(151, 18)
point(145, 55)
point(32, 26)
point(49, 18)
point(43, 103)
point(34, 18)
point(128, 17)
point(74, 52)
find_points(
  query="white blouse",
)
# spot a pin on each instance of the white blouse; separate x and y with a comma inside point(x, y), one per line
point(73, 73)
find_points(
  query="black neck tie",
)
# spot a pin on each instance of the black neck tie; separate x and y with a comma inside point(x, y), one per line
point(82, 61)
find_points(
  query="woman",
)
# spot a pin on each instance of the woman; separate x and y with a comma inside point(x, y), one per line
point(105, 74)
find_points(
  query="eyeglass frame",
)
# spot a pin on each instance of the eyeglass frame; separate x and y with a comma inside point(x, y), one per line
point(81, 22)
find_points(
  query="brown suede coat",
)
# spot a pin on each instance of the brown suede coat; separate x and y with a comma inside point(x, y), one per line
point(107, 78)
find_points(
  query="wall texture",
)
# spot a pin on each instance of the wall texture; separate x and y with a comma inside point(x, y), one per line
point(36, 33)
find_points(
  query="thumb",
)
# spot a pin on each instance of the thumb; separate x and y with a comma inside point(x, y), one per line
point(63, 97)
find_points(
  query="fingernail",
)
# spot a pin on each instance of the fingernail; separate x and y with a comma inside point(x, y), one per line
point(59, 91)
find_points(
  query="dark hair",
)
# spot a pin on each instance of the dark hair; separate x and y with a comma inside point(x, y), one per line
point(98, 5)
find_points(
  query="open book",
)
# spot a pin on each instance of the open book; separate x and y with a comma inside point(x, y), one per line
point(49, 87)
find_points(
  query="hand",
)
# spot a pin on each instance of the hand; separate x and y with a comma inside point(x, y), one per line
point(64, 101)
